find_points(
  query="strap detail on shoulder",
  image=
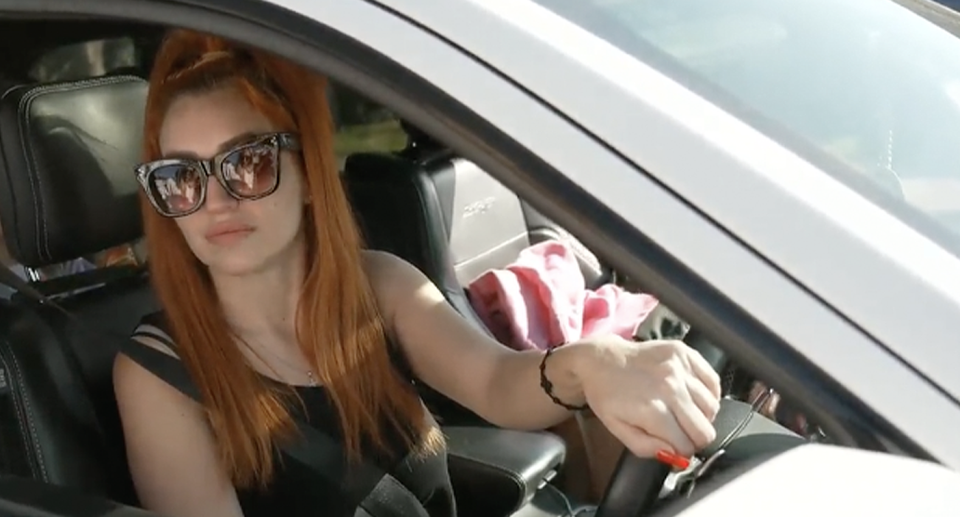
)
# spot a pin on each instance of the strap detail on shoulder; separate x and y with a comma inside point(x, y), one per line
point(155, 326)
point(163, 365)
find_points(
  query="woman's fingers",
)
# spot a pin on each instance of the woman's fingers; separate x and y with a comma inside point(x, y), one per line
point(638, 441)
point(706, 402)
point(702, 369)
point(697, 428)
point(661, 420)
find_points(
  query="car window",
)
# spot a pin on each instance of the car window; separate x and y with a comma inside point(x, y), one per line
point(868, 85)
point(363, 126)
point(85, 59)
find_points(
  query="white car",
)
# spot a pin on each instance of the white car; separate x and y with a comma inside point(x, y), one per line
point(783, 175)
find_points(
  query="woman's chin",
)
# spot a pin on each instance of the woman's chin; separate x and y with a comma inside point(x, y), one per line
point(249, 260)
point(235, 267)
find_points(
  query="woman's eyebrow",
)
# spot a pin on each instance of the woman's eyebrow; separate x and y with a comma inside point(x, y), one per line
point(242, 138)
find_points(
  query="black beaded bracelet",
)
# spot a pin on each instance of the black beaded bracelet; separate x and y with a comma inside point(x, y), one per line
point(548, 386)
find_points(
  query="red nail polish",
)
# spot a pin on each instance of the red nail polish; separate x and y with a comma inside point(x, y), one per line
point(674, 460)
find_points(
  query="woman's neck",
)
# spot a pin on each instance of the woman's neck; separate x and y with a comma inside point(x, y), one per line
point(262, 305)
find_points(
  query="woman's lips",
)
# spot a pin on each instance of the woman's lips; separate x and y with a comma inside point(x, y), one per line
point(227, 233)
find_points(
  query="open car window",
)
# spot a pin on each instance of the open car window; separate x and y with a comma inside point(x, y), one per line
point(85, 59)
point(363, 126)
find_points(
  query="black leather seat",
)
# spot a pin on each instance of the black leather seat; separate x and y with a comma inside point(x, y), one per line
point(67, 190)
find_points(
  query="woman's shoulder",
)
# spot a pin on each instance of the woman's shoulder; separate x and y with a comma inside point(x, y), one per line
point(148, 362)
point(392, 278)
point(378, 263)
point(148, 353)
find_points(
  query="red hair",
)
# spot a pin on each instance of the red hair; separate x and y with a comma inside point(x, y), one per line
point(338, 324)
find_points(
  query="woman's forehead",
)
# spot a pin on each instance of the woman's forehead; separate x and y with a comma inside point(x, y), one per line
point(205, 124)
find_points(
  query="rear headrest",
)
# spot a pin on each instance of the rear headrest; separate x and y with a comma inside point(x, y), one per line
point(67, 186)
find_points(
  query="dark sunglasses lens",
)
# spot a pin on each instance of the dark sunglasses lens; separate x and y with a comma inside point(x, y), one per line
point(252, 170)
point(176, 188)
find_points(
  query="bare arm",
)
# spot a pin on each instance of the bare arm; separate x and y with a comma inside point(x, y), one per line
point(452, 356)
point(170, 447)
point(656, 395)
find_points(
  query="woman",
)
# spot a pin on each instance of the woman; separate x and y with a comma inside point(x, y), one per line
point(275, 311)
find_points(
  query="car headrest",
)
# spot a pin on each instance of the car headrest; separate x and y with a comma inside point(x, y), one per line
point(446, 214)
point(67, 186)
point(449, 218)
point(400, 211)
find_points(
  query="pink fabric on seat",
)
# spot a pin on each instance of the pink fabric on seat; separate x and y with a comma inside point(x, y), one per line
point(541, 300)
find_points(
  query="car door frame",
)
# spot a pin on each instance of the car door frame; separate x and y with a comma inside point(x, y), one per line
point(895, 277)
point(755, 180)
point(541, 154)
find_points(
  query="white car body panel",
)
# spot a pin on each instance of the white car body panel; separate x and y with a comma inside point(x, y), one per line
point(793, 313)
point(828, 481)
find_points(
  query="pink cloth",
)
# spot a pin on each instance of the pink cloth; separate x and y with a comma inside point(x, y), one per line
point(541, 300)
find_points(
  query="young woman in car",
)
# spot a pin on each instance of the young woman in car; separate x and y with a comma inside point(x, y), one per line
point(275, 311)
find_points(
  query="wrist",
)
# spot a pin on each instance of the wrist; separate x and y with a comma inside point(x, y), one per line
point(564, 370)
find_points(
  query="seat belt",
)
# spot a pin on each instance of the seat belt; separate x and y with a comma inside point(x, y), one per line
point(373, 490)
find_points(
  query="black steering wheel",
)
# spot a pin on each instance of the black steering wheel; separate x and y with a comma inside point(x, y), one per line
point(742, 433)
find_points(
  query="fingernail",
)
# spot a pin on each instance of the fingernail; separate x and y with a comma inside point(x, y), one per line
point(674, 460)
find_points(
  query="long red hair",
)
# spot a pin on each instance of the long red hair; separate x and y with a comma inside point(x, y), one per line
point(338, 324)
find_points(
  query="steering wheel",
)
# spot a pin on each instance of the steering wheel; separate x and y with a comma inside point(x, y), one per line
point(742, 433)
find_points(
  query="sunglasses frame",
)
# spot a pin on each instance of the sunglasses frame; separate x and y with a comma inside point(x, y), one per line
point(283, 141)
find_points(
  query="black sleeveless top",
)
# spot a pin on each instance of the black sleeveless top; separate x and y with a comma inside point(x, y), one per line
point(296, 490)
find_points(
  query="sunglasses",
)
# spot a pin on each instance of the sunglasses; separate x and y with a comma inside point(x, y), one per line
point(178, 186)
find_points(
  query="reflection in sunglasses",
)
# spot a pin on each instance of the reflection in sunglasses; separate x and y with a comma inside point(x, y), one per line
point(176, 187)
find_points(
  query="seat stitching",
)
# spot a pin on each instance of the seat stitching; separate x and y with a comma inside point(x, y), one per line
point(24, 125)
point(23, 429)
point(28, 412)
point(28, 149)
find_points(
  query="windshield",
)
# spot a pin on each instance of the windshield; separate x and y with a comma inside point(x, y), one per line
point(863, 88)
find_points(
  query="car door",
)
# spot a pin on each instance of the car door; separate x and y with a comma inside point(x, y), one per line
point(784, 209)
point(578, 106)
point(605, 146)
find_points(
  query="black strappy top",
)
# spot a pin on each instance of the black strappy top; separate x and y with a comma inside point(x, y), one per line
point(298, 491)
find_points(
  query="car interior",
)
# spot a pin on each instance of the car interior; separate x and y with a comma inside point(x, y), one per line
point(70, 118)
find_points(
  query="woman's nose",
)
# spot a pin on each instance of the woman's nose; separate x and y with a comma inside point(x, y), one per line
point(218, 200)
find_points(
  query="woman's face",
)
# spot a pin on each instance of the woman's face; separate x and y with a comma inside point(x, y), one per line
point(234, 237)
